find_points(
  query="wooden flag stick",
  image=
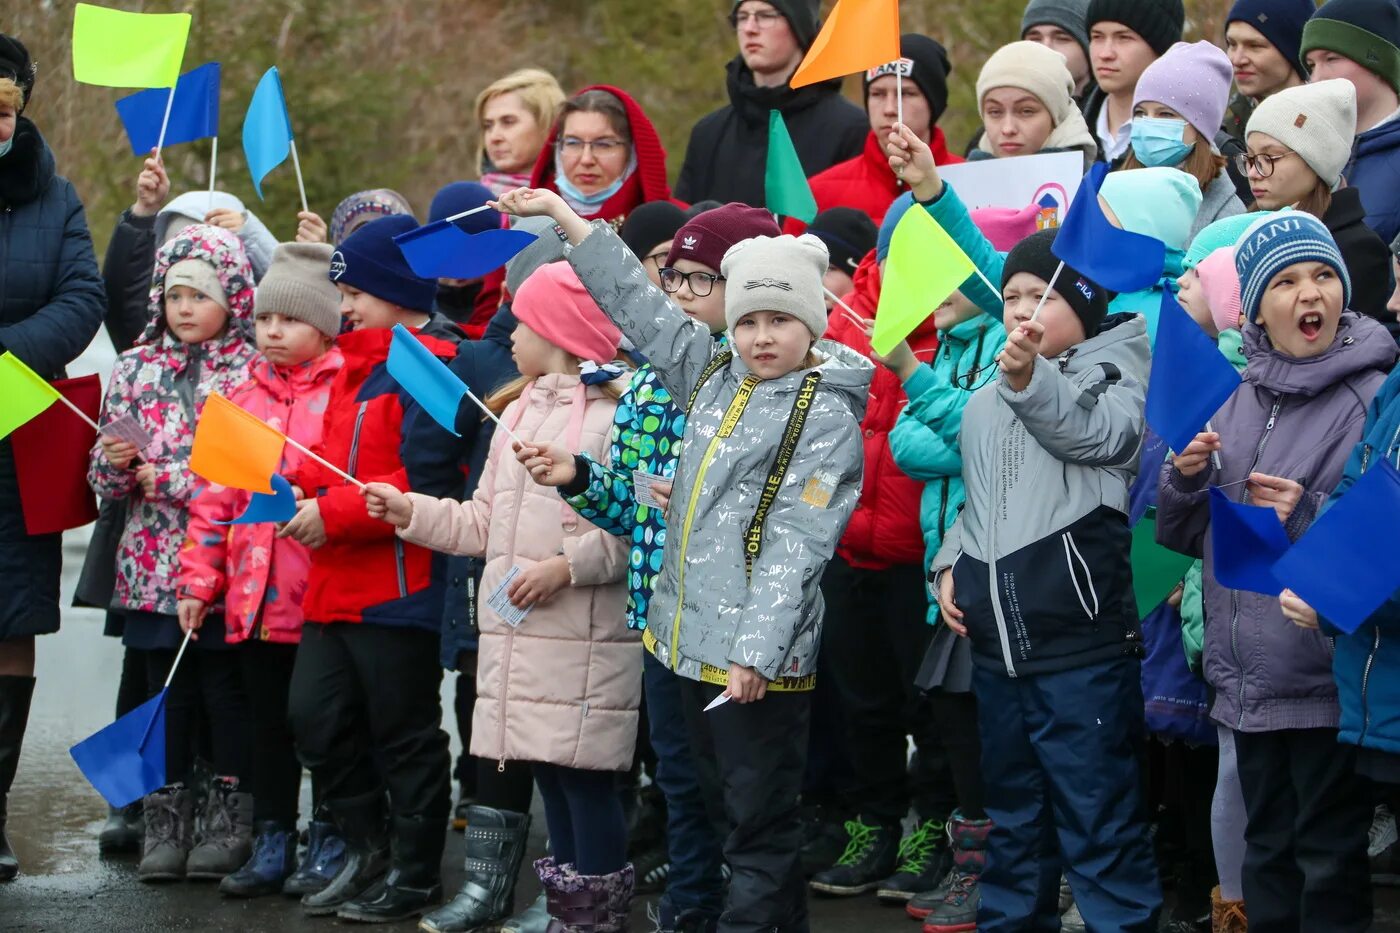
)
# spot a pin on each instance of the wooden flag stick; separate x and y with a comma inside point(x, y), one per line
point(326, 463)
point(301, 185)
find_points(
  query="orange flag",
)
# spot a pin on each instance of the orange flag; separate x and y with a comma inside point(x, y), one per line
point(234, 448)
point(859, 34)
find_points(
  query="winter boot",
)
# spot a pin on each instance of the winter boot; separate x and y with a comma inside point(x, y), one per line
point(495, 845)
point(585, 903)
point(273, 860)
point(225, 839)
point(921, 905)
point(869, 859)
point(958, 911)
point(823, 839)
point(15, 696)
point(923, 860)
point(414, 882)
point(122, 831)
point(533, 919)
point(322, 861)
point(169, 815)
point(363, 825)
point(1227, 916)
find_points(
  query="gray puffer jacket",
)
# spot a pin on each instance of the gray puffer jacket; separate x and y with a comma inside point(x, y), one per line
point(708, 609)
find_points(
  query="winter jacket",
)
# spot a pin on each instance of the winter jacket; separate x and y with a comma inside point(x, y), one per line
point(50, 307)
point(710, 607)
point(952, 215)
point(1367, 256)
point(131, 256)
point(1374, 170)
point(376, 432)
point(1237, 113)
point(1219, 199)
point(925, 438)
point(1040, 554)
point(163, 383)
point(728, 149)
point(884, 529)
point(647, 183)
point(866, 182)
point(1293, 418)
point(564, 685)
point(260, 578)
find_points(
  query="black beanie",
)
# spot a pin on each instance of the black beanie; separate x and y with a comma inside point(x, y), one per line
point(925, 62)
point(650, 225)
point(16, 64)
point(802, 16)
point(848, 234)
point(1159, 22)
point(1087, 299)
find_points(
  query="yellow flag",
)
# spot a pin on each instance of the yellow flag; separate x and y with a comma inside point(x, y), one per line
point(25, 394)
point(114, 48)
point(923, 268)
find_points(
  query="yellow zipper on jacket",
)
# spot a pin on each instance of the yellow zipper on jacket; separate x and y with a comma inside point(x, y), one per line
point(726, 428)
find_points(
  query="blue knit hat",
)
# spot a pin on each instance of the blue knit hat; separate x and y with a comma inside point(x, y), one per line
point(370, 261)
point(892, 218)
point(1279, 21)
point(1277, 242)
point(464, 196)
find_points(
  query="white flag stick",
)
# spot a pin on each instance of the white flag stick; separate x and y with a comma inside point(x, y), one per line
point(475, 210)
point(165, 121)
point(301, 185)
point(326, 463)
point(213, 163)
point(78, 411)
point(1048, 289)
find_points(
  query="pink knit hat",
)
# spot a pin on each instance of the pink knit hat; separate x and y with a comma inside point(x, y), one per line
point(1221, 285)
point(1006, 226)
point(558, 308)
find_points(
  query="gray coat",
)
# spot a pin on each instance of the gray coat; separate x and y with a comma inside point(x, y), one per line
point(706, 613)
point(1218, 201)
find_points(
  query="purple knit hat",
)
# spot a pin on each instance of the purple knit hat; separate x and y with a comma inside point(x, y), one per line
point(1192, 78)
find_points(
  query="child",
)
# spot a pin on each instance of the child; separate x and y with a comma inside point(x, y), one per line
point(199, 341)
point(373, 606)
point(737, 610)
point(559, 688)
point(257, 579)
point(1312, 369)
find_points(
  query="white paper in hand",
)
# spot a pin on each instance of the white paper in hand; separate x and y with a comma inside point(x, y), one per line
point(127, 428)
point(642, 483)
point(500, 603)
point(717, 702)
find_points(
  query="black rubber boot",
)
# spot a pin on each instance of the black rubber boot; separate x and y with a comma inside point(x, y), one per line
point(15, 696)
point(363, 823)
point(414, 882)
point(322, 861)
point(122, 831)
point(495, 848)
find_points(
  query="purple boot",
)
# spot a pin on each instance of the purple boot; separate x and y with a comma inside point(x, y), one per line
point(585, 903)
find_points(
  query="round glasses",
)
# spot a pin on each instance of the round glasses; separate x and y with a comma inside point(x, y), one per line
point(700, 283)
point(574, 147)
point(1263, 165)
point(763, 19)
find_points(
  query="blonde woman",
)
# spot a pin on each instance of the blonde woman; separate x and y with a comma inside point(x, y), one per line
point(515, 114)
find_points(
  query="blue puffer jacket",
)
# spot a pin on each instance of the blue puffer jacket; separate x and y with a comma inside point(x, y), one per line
point(1374, 170)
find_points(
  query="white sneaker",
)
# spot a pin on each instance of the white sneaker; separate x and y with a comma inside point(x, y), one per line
point(1071, 922)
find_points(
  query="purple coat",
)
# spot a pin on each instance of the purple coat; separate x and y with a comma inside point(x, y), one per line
point(1297, 418)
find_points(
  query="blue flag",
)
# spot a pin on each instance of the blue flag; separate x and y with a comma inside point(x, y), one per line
point(1191, 379)
point(194, 114)
point(1246, 541)
point(267, 129)
point(1115, 259)
point(126, 760)
point(1344, 565)
point(278, 507)
point(426, 378)
point(441, 250)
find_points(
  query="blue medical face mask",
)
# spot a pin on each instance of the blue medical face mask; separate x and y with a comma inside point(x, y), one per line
point(5, 146)
point(1158, 142)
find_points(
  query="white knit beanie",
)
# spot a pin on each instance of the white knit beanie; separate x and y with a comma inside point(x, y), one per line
point(1031, 67)
point(1317, 121)
point(782, 273)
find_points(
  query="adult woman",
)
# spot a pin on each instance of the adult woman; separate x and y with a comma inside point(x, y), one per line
point(51, 302)
point(514, 114)
point(1025, 93)
point(603, 156)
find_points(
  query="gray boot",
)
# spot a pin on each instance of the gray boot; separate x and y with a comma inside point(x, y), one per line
point(534, 919)
point(225, 839)
point(169, 830)
point(496, 842)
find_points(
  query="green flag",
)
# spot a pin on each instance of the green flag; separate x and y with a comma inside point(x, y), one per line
point(785, 185)
point(119, 49)
point(25, 394)
point(923, 268)
point(1156, 569)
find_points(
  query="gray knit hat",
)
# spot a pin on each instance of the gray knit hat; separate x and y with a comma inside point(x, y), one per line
point(782, 273)
point(1065, 14)
point(296, 286)
point(1317, 121)
point(551, 245)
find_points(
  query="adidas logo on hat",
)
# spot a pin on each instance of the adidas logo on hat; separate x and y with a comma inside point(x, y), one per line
point(689, 242)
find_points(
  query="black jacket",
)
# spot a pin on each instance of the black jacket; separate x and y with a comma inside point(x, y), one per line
point(126, 272)
point(728, 150)
point(1366, 255)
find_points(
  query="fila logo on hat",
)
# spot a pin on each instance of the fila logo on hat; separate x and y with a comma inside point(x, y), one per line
point(1085, 288)
point(337, 265)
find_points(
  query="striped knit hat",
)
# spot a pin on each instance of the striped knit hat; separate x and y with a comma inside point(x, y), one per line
point(1274, 243)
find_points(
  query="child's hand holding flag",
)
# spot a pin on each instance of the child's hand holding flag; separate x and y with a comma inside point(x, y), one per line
point(388, 504)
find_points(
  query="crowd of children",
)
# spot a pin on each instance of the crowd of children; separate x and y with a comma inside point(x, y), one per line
point(866, 621)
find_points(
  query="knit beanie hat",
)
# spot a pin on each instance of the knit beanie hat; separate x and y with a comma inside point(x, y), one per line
point(650, 225)
point(1068, 15)
point(1277, 242)
point(802, 16)
point(1279, 21)
point(1158, 202)
point(362, 207)
point(1031, 67)
point(551, 245)
point(892, 219)
point(1192, 78)
point(1221, 233)
point(16, 65)
point(925, 62)
point(1365, 31)
point(1221, 285)
point(1317, 121)
point(707, 237)
point(199, 275)
point(782, 273)
point(555, 305)
point(1086, 298)
point(1006, 226)
point(462, 196)
point(849, 235)
point(295, 286)
point(1159, 22)
point(370, 261)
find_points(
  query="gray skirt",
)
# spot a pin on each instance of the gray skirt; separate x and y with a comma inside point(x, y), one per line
point(947, 664)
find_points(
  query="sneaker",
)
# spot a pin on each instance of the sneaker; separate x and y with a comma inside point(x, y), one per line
point(923, 859)
point(871, 852)
point(958, 912)
point(823, 839)
point(1066, 895)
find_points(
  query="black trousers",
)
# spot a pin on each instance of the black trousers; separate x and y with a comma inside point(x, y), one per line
point(955, 716)
point(463, 705)
point(207, 689)
point(760, 751)
point(1181, 789)
point(875, 637)
point(132, 688)
point(1305, 864)
point(364, 702)
point(276, 776)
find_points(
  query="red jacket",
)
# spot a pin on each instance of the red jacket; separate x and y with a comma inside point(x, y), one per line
point(376, 433)
point(884, 528)
point(866, 182)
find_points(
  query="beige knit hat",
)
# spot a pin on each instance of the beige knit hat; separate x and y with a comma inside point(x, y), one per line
point(198, 275)
point(776, 273)
point(1317, 121)
point(296, 286)
point(1043, 72)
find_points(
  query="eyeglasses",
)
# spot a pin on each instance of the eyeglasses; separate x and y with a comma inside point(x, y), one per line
point(700, 283)
point(1263, 165)
point(763, 19)
point(658, 257)
point(602, 148)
